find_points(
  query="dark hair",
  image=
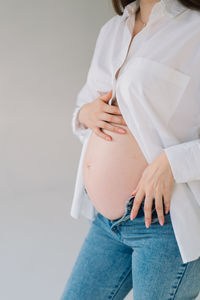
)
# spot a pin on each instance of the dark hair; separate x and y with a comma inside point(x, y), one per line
point(119, 5)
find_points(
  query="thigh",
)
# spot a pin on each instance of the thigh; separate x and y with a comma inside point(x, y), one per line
point(157, 268)
point(103, 268)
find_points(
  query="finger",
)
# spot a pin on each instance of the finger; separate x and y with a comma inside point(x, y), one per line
point(135, 190)
point(167, 198)
point(112, 118)
point(148, 203)
point(136, 204)
point(159, 208)
point(101, 134)
point(111, 109)
point(106, 97)
point(110, 127)
point(114, 110)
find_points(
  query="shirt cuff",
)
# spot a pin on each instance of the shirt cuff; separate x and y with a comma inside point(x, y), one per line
point(184, 160)
point(78, 128)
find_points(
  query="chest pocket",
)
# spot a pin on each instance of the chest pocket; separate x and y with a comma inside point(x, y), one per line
point(158, 86)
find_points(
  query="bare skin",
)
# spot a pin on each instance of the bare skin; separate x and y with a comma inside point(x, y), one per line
point(97, 115)
point(157, 181)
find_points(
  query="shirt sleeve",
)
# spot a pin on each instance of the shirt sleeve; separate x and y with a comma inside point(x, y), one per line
point(184, 160)
point(98, 82)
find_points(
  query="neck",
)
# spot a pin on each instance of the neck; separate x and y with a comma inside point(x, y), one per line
point(145, 9)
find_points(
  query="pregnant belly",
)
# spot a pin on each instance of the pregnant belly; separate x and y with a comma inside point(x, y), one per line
point(112, 170)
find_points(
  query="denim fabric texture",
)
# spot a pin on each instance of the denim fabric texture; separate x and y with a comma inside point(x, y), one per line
point(122, 255)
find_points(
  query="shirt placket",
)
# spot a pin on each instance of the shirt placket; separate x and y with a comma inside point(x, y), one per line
point(137, 43)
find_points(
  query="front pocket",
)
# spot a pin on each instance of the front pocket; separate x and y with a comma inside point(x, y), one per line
point(156, 86)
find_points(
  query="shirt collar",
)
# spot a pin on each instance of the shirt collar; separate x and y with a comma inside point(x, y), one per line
point(171, 7)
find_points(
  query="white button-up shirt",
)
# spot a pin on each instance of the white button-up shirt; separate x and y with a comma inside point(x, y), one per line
point(158, 93)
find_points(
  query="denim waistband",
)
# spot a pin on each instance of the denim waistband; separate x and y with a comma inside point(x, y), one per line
point(128, 207)
point(126, 215)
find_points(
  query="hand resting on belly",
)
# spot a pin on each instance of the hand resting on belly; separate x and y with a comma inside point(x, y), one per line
point(112, 170)
point(98, 115)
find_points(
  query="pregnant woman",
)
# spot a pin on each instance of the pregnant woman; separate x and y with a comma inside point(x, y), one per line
point(147, 99)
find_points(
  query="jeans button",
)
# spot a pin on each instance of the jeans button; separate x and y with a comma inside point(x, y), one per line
point(114, 229)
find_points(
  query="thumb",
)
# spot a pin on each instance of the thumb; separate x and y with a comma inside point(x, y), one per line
point(106, 97)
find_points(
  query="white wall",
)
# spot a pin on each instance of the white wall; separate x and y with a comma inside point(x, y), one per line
point(45, 52)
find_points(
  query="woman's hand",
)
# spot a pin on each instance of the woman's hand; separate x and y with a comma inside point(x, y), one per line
point(98, 113)
point(157, 182)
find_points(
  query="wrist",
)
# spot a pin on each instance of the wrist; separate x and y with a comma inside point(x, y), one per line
point(167, 164)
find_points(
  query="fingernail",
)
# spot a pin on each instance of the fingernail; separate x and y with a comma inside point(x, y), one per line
point(121, 130)
point(108, 138)
point(147, 224)
point(161, 222)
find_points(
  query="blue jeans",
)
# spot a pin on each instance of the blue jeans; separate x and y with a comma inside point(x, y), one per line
point(119, 255)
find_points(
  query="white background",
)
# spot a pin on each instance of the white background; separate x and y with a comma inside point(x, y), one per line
point(45, 52)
